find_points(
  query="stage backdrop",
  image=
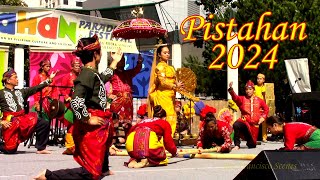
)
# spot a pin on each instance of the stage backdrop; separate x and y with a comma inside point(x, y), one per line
point(59, 61)
point(62, 61)
point(141, 81)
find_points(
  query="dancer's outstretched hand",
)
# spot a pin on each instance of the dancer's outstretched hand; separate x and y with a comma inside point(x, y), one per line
point(117, 56)
point(53, 74)
point(5, 124)
point(230, 84)
point(180, 85)
point(113, 150)
point(200, 150)
point(140, 59)
point(261, 120)
point(218, 148)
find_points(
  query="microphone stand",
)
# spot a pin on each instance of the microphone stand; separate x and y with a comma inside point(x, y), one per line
point(295, 82)
point(293, 118)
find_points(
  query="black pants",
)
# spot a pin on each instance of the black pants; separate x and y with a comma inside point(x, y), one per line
point(77, 173)
point(42, 130)
point(241, 129)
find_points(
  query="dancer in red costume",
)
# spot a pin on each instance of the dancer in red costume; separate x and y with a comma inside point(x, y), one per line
point(214, 133)
point(68, 81)
point(253, 112)
point(121, 83)
point(51, 92)
point(144, 143)
point(93, 126)
point(297, 135)
point(17, 125)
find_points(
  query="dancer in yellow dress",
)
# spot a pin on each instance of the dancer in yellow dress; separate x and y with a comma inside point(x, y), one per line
point(163, 86)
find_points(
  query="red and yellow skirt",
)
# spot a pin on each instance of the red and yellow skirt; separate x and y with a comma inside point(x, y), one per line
point(143, 143)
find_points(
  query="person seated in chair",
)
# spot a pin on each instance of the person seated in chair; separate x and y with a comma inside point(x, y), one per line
point(17, 126)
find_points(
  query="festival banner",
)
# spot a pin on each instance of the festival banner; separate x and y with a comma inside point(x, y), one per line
point(3, 63)
point(57, 29)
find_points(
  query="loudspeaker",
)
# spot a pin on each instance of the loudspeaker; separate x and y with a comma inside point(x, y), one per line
point(288, 165)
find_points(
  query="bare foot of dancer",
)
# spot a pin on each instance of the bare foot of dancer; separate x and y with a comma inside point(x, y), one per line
point(235, 148)
point(41, 176)
point(142, 163)
point(108, 173)
point(43, 152)
point(132, 164)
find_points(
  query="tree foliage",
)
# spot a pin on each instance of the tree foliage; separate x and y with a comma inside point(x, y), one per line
point(13, 2)
point(289, 11)
point(208, 83)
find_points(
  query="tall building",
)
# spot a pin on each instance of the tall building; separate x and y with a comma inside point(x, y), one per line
point(72, 4)
point(169, 12)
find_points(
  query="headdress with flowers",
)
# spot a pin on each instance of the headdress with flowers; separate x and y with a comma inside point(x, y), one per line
point(142, 111)
point(206, 110)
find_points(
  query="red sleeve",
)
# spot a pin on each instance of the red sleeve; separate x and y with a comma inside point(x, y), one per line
point(133, 72)
point(265, 108)
point(36, 81)
point(237, 99)
point(65, 91)
point(167, 138)
point(226, 132)
point(289, 138)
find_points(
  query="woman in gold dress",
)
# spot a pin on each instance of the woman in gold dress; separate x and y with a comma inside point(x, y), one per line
point(163, 86)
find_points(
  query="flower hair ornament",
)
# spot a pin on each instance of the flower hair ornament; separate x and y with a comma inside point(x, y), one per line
point(206, 110)
point(142, 111)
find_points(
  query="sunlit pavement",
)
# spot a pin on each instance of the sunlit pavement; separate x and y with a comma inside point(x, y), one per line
point(26, 164)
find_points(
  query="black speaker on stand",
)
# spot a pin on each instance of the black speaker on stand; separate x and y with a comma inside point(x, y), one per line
point(286, 165)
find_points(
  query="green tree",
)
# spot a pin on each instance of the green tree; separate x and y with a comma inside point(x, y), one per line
point(208, 83)
point(13, 3)
point(282, 11)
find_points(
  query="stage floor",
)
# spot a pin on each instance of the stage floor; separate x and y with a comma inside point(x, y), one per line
point(26, 164)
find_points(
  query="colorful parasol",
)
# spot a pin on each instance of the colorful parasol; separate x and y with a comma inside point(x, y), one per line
point(138, 27)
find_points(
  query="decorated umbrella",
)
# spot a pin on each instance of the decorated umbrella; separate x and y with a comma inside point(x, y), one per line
point(138, 27)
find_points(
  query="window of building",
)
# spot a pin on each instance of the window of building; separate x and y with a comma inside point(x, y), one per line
point(79, 4)
point(53, 5)
point(41, 3)
point(65, 2)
